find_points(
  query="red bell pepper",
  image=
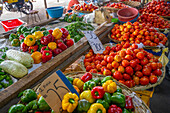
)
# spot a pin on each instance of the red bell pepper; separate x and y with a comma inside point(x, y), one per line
point(129, 103)
point(114, 109)
point(38, 112)
point(97, 92)
point(62, 46)
point(21, 37)
point(69, 42)
point(65, 32)
point(45, 40)
point(50, 31)
point(52, 39)
point(46, 56)
point(45, 48)
point(86, 77)
point(24, 47)
point(58, 41)
point(57, 51)
point(32, 49)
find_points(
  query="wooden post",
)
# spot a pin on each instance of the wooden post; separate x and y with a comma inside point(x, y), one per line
point(45, 3)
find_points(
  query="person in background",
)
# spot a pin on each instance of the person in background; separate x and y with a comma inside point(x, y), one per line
point(71, 3)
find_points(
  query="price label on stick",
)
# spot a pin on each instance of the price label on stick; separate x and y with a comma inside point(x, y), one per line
point(94, 42)
point(54, 88)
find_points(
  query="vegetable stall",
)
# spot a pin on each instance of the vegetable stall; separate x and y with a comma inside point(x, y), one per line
point(108, 74)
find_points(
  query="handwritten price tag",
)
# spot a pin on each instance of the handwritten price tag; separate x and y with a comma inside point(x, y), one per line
point(94, 42)
point(54, 88)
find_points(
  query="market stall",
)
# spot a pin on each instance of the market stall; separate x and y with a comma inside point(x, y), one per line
point(111, 60)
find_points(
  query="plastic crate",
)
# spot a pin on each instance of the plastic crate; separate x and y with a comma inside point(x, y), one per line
point(11, 24)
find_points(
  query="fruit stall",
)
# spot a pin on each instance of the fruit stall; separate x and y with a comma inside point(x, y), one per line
point(101, 59)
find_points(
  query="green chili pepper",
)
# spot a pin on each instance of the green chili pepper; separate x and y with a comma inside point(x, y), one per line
point(3, 55)
point(5, 85)
point(2, 73)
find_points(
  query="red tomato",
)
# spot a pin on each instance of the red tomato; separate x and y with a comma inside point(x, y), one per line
point(125, 63)
point(122, 81)
point(103, 68)
point(93, 71)
point(144, 81)
point(122, 53)
point(139, 74)
point(157, 72)
point(129, 70)
point(121, 69)
point(129, 84)
point(137, 61)
point(149, 55)
point(134, 46)
point(105, 57)
point(127, 77)
point(110, 59)
point(98, 67)
point(153, 79)
point(146, 71)
point(104, 63)
point(159, 65)
point(87, 56)
point(88, 68)
point(129, 52)
point(144, 61)
point(87, 64)
point(88, 60)
point(117, 58)
point(117, 75)
point(115, 64)
point(133, 63)
point(97, 62)
point(109, 66)
point(138, 67)
point(112, 54)
point(140, 55)
point(133, 82)
point(98, 57)
point(107, 72)
point(136, 80)
point(113, 70)
point(114, 48)
point(128, 57)
point(108, 48)
point(136, 50)
point(106, 52)
point(154, 65)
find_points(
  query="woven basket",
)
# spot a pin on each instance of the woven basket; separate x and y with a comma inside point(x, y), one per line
point(132, 3)
point(145, 47)
point(111, 9)
point(136, 87)
point(140, 106)
point(72, 8)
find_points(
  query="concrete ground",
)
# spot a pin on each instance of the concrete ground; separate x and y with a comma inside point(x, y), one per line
point(37, 5)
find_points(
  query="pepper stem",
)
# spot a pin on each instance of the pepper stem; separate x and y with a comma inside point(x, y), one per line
point(99, 111)
point(31, 39)
point(47, 54)
point(71, 100)
point(46, 48)
point(96, 93)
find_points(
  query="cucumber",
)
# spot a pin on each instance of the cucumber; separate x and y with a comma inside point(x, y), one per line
point(14, 68)
point(21, 57)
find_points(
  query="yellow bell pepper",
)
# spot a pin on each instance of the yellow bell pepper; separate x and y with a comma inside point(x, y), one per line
point(37, 56)
point(52, 45)
point(68, 37)
point(38, 35)
point(109, 86)
point(96, 108)
point(29, 40)
point(79, 83)
point(57, 33)
point(87, 95)
point(70, 102)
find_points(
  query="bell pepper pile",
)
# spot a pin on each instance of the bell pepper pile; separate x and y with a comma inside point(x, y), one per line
point(69, 17)
point(30, 103)
point(97, 96)
point(40, 43)
point(75, 30)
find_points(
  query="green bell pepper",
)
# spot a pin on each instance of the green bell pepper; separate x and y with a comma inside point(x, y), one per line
point(12, 36)
point(118, 99)
point(24, 29)
point(15, 42)
point(89, 85)
point(83, 105)
point(119, 90)
point(33, 105)
point(37, 28)
point(29, 29)
point(19, 29)
point(107, 97)
point(106, 79)
point(125, 111)
point(97, 81)
point(26, 34)
point(77, 38)
point(104, 103)
point(70, 79)
point(43, 106)
point(43, 29)
point(45, 33)
point(2, 77)
point(28, 95)
point(18, 108)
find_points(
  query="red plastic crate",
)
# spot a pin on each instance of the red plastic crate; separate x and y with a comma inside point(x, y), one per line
point(11, 24)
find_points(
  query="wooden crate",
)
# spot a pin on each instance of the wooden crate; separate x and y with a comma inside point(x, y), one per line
point(145, 95)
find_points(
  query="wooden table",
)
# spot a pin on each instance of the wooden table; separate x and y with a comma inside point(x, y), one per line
point(8, 96)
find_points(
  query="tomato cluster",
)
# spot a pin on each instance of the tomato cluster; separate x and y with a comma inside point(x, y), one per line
point(116, 5)
point(85, 7)
point(160, 8)
point(138, 33)
point(126, 63)
point(153, 20)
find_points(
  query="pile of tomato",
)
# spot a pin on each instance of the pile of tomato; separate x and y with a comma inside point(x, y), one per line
point(138, 33)
point(126, 63)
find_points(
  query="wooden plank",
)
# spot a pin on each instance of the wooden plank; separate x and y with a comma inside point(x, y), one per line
point(27, 81)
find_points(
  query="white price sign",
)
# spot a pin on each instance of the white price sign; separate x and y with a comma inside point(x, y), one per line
point(94, 42)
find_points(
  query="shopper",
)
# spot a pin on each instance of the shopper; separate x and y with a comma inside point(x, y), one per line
point(71, 3)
